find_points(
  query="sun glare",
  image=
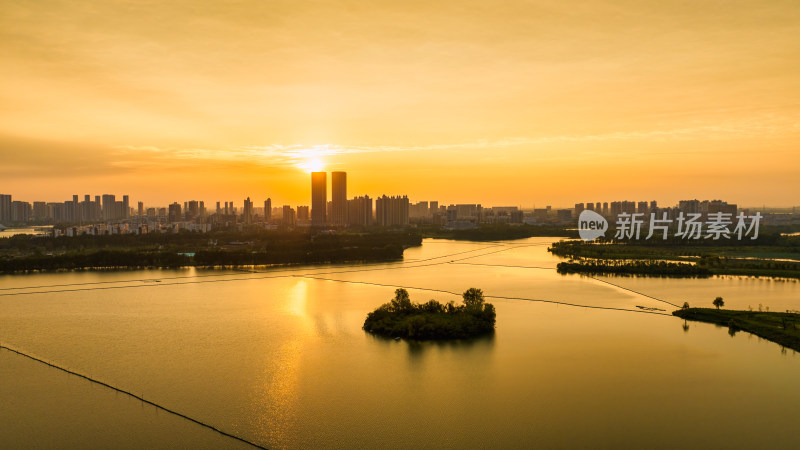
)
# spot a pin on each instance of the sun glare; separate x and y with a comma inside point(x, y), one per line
point(312, 165)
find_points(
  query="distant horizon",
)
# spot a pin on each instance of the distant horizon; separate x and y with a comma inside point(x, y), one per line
point(276, 202)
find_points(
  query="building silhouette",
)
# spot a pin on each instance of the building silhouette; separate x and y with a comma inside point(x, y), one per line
point(267, 210)
point(5, 208)
point(248, 211)
point(391, 211)
point(108, 209)
point(303, 213)
point(319, 198)
point(288, 217)
point(359, 211)
point(338, 199)
point(175, 212)
point(126, 207)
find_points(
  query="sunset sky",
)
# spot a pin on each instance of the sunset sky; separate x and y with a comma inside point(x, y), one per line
point(499, 103)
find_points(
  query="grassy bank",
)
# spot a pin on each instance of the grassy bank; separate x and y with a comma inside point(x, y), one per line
point(780, 327)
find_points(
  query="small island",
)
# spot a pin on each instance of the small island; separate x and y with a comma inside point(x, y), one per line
point(400, 318)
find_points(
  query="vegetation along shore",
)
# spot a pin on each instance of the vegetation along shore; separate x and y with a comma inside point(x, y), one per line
point(218, 249)
point(783, 328)
point(772, 255)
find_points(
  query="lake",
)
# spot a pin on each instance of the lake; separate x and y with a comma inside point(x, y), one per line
point(8, 232)
point(278, 357)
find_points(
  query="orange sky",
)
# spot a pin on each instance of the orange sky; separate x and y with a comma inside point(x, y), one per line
point(512, 103)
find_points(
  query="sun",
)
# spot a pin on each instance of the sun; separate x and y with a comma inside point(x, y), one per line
point(312, 165)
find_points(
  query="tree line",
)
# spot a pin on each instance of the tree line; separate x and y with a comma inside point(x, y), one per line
point(229, 250)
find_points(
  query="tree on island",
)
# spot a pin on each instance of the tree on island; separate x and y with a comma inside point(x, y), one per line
point(718, 302)
point(473, 298)
point(401, 300)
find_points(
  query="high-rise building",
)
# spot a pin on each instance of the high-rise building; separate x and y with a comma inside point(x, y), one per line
point(359, 211)
point(689, 206)
point(87, 209)
point(108, 206)
point(288, 214)
point(175, 212)
point(39, 211)
point(564, 215)
point(5, 208)
point(55, 211)
point(140, 208)
point(267, 210)
point(303, 213)
point(21, 211)
point(319, 198)
point(391, 211)
point(192, 209)
point(338, 198)
point(247, 215)
point(419, 210)
point(73, 211)
point(126, 207)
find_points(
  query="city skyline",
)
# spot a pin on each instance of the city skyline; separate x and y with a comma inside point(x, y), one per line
point(339, 211)
point(267, 200)
point(456, 100)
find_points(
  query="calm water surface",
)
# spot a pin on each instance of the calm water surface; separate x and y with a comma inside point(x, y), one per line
point(278, 357)
point(8, 232)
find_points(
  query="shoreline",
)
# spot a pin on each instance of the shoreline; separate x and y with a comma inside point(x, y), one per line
point(782, 328)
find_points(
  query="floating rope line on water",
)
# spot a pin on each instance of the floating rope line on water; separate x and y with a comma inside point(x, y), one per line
point(136, 280)
point(320, 271)
point(486, 295)
point(631, 290)
point(501, 250)
point(505, 265)
point(587, 276)
point(138, 397)
point(103, 288)
point(244, 272)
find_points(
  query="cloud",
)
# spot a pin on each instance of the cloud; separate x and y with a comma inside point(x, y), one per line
point(297, 154)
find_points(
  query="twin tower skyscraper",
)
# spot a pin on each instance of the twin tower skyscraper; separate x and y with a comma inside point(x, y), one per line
point(320, 216)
